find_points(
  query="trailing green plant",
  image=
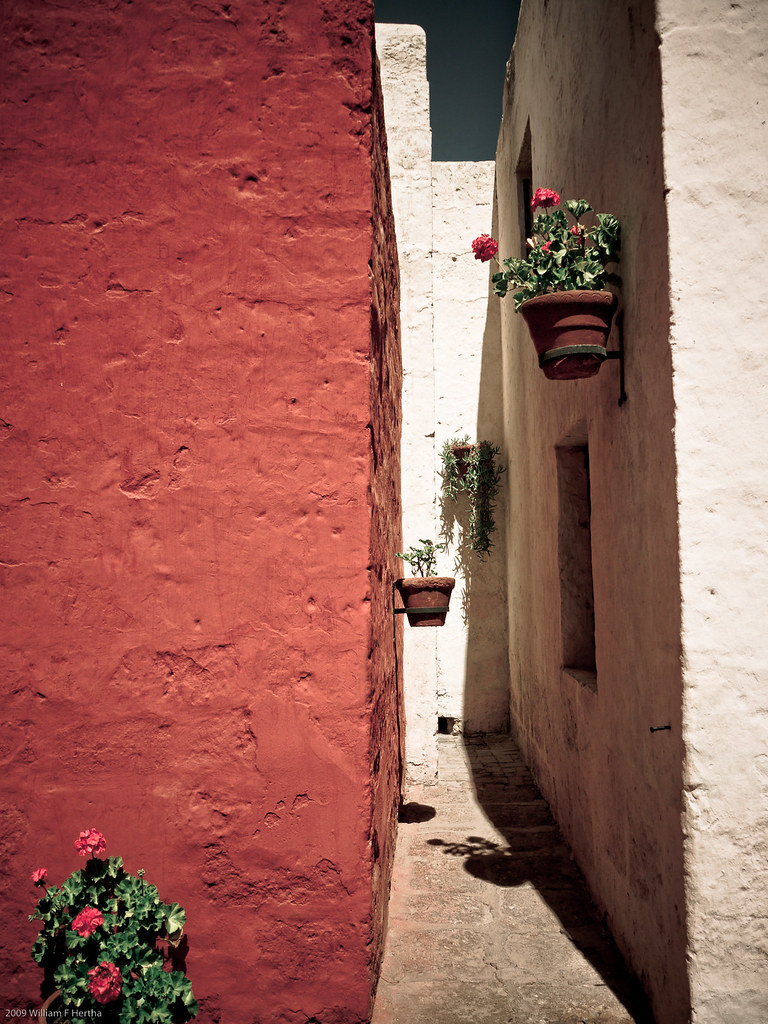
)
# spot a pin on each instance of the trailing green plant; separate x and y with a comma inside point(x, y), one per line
point(563, 255)
point(101, 939)
point(477, 473)
point(453, 466)
point(423, 560)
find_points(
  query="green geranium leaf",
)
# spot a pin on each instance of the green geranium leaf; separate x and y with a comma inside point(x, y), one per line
point(577, 207)
point(175, 920)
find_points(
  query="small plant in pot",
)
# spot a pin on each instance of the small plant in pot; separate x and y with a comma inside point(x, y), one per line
point(473, 470)
point(559, 285)
point(425, 595)
point(107, 942)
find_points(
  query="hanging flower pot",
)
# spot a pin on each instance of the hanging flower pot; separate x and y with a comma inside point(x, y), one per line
point(569, 331)
point(472, 469)
point(559, 285)
point(460, 453)
point(426, 599)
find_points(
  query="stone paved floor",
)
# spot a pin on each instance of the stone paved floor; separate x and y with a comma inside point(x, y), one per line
point(489, 920)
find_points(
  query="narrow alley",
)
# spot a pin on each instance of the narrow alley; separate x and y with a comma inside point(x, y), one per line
point(489, 921)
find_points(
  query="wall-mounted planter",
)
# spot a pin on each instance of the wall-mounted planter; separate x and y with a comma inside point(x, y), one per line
point(570, 331)
point(460, 453)
point(472, 469)
point(54, 1004)
point(426, 598)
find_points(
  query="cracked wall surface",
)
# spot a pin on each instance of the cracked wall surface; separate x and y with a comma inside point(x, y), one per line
point(201, 498)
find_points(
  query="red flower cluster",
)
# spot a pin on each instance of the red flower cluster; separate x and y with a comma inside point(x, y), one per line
point(40, 876)
point(544, 198)
point(485, 248)
point(91, 842)
point(545, 247)
point(87, 921)
point(106, 982)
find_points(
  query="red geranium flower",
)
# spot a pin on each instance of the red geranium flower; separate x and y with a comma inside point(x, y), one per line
point(545, 247)
point(90, 841)
point(87, 921)
point(485, 248)
point(106, 982)
point(544, 198)
point(40, 876)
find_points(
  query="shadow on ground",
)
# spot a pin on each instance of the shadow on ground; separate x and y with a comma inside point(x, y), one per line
point(533, 852)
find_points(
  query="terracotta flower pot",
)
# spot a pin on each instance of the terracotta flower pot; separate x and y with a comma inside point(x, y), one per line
point(54, 1004)
point(460, 453)
point(569, 331)
point(426, 598)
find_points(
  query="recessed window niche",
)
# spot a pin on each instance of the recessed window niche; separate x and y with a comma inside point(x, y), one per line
point(524, 173)
point(574, 546)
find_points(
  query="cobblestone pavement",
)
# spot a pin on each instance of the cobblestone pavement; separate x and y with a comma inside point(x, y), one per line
point(489, 919)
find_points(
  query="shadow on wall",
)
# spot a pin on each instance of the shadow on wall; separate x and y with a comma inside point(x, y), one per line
point(483, 593)
point(533, 852)
point(470, 566)
point(615, 787)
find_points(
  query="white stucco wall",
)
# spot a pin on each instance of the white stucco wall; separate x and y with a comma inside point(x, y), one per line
point(653, 110)
point(636, 102)
point(472, 670)
point(585, 75)
point(451, 387)
point(402, 57)
point(715, 98)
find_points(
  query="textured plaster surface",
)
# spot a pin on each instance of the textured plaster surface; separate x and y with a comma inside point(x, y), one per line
point(200, 507)
point(452, 387)
point(387, 727)
point(614, 786)
point(715, 88)
point(402, 54)
point(473, 674)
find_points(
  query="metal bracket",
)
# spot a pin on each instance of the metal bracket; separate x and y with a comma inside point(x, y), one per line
point(421, 611)
point(594, 350)
point(620, 356)
point(573, 350)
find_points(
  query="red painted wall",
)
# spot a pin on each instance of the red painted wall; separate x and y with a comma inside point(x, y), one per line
point(199, 432)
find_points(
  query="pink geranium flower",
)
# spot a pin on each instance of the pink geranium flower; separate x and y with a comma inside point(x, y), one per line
point(544, 198)
point(485, 248)
point(545, 247)
point(90, 841)
point(40, 876)
point(580, 232)
point(106, 982)
point(87, 921)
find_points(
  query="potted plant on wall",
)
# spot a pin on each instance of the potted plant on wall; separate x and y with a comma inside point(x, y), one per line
point(106, 943)
point(559, 286)
point(473, 470)
point(425, 595)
